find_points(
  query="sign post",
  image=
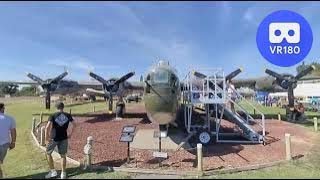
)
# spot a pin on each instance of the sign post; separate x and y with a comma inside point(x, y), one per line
point(160, 155)
point(127, 136)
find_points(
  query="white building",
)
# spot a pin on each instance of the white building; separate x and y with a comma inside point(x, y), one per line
point(304, 90)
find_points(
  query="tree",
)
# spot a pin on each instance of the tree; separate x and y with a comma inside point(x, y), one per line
point(8, 88)
point(28, 91)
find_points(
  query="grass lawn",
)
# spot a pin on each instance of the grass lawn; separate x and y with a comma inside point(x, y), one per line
point(27, 161)
point(272, 112)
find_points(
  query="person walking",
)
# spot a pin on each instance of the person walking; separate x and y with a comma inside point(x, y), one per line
point(57, 135)
point(8, 135)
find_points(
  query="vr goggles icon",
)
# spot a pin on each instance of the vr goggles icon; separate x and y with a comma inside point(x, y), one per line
point(289, 31)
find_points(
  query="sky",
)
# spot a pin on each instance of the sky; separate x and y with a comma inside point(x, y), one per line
point(112, 38)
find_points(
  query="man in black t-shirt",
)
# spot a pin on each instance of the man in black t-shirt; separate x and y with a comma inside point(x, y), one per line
point(57, 135)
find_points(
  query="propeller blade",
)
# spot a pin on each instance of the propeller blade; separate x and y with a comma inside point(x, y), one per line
point(274, 74)
point(199, 75)
point(233, 74)
point(228, 77)
point(98, 78)
point(305, 72)
point(124, 78)
point(59, 78)
point(35, 78)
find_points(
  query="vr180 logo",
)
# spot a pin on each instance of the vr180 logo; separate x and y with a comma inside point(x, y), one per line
point(284, 38)
point(278, 32)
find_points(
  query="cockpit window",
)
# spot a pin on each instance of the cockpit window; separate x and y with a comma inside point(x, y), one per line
point(161, 77)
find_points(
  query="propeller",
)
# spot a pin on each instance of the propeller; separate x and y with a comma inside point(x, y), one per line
point(305, 72)
point(199, 75)
point(111, 85)
point(47, 85)
point(12, 88)
point(289, 82)
point(124, 78)
point(234, 74)
point(59, 78)
point(228, 77)
point(98, 78)
point(35, 78)
point(274, 74)
point(9, 88)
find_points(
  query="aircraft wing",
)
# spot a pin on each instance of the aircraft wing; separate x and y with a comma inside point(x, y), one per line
point(19, 82)
point(90, 85)
point(136, 85)
point(245, 82)
point(310, 77)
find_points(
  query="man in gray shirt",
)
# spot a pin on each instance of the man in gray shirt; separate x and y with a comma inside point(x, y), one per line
point(7, 135)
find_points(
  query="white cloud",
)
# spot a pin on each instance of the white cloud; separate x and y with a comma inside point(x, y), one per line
point(124, 23)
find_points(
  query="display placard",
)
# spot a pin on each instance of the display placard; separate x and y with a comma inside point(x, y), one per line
point(125, 137)
point(128, 129)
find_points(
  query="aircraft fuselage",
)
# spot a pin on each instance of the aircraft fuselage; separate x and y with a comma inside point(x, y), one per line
point(162, 94)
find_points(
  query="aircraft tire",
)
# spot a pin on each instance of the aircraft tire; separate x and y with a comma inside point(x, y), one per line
point(204, 137)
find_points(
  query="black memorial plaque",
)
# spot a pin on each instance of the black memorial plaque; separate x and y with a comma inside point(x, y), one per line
point(126, 137)
point(128, 129)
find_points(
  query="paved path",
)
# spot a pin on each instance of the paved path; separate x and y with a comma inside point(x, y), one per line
point(144, 140)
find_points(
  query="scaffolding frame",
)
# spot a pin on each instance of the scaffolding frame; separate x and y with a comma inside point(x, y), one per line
point(196, 91)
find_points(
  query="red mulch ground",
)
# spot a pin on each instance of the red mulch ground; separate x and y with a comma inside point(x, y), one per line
point(108, 151)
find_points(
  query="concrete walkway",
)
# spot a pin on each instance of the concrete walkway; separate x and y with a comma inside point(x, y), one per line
point(144, 140)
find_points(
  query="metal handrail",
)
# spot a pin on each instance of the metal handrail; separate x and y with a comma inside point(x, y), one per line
point(262, 125)
point(189, 90)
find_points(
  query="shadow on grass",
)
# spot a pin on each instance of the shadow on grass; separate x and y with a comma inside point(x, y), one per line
point(106, 116)
point(113, 163)
point(306, 123)
point(77, 104)
point(70, 173)
point(283, 116)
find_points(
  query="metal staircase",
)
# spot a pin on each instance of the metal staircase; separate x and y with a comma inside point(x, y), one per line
point(210, 95)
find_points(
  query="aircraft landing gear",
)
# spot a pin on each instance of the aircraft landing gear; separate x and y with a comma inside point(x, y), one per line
point(120, 109)
point(204, 137)
point(290, 113)
point(201, 136)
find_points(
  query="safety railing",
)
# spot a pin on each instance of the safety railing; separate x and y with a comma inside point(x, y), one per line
point(197, 90)
point(248, 116)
